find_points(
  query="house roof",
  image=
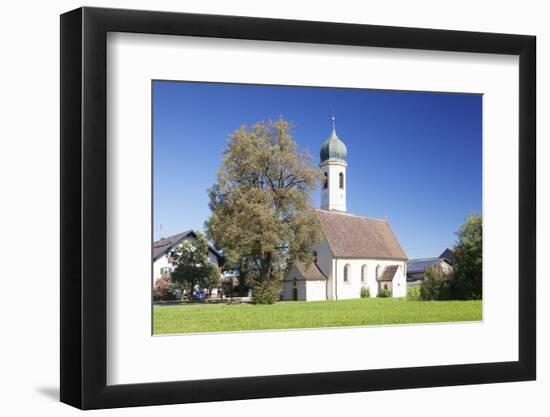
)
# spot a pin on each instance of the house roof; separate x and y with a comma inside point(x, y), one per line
point(448, 254)
point(309, 273)
point(162, 246)
point(420, 265)
point(388, 273)
point(351, 236)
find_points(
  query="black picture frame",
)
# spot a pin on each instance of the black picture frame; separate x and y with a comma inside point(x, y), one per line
point(84, 207)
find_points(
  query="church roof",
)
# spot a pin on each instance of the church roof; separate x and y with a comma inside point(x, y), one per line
point(351, 236)
point(311, 272)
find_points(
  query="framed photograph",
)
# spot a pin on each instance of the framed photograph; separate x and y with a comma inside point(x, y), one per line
point(257, 208)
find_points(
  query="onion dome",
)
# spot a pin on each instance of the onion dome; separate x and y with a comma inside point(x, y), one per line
point(333, 149)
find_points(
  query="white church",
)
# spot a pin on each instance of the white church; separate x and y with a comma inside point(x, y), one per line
point(357, 252)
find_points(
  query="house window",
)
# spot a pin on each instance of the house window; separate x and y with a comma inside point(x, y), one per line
point(364, 273)
point(325, 181)
point(164, 271)
point(346, 272)
point(172, 256)
point(341, 180)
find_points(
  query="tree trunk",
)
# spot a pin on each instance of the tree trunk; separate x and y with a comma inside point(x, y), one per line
point(242, 282)
point(267, 265)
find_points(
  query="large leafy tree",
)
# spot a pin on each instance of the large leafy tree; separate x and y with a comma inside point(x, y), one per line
point(468, 259)
point(260, 203)
point(193, 268)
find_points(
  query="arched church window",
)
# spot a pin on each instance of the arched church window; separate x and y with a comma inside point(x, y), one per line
point(378, 271)
point(346, 272)
point(325, 181)
point(364, 273)
point(341, 180)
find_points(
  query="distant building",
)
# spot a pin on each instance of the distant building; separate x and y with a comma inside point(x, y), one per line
point(416, 268)
point(357, 252)
point(448, 254)
point(163, 260)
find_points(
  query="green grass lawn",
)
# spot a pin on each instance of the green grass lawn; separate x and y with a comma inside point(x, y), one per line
point(198, 318)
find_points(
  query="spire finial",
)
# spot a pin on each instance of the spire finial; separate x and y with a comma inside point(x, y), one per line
point(333, 122)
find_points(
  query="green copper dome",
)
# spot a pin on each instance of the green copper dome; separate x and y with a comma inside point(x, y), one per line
point(333, 149)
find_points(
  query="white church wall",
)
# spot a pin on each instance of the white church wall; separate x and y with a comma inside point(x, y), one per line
point(289, 285)
point(307, 290)
point(399, 288)
point(287, 290)
point(301, 289)
point(324, 262)
point(316, 290)
point(352, 288)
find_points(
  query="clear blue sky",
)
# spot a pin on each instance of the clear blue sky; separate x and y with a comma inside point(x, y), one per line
point(413, 157)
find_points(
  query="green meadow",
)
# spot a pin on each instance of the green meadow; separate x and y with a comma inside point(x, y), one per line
point(200, 318)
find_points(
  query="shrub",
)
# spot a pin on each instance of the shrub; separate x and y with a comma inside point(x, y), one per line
point(383, 293)
point(267, 292)
point(413, 293)
point(162, 289)
point(365, 292)
point(436, 285)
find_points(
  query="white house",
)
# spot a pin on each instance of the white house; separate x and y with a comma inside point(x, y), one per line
point(356, 252)
point(163, 248)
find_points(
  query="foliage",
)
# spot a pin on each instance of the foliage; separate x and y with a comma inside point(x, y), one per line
point(465, 280)
point(383, 293)
point(436, 284)
point(193, 268)
point(261, 212)
point(267, 292)
point(245, 270)
point(310, 314)
point(162, 289)
point(365, 292)
point(413, 293)
point(468, 259)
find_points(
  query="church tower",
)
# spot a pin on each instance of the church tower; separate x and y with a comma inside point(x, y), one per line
point(333, 167)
